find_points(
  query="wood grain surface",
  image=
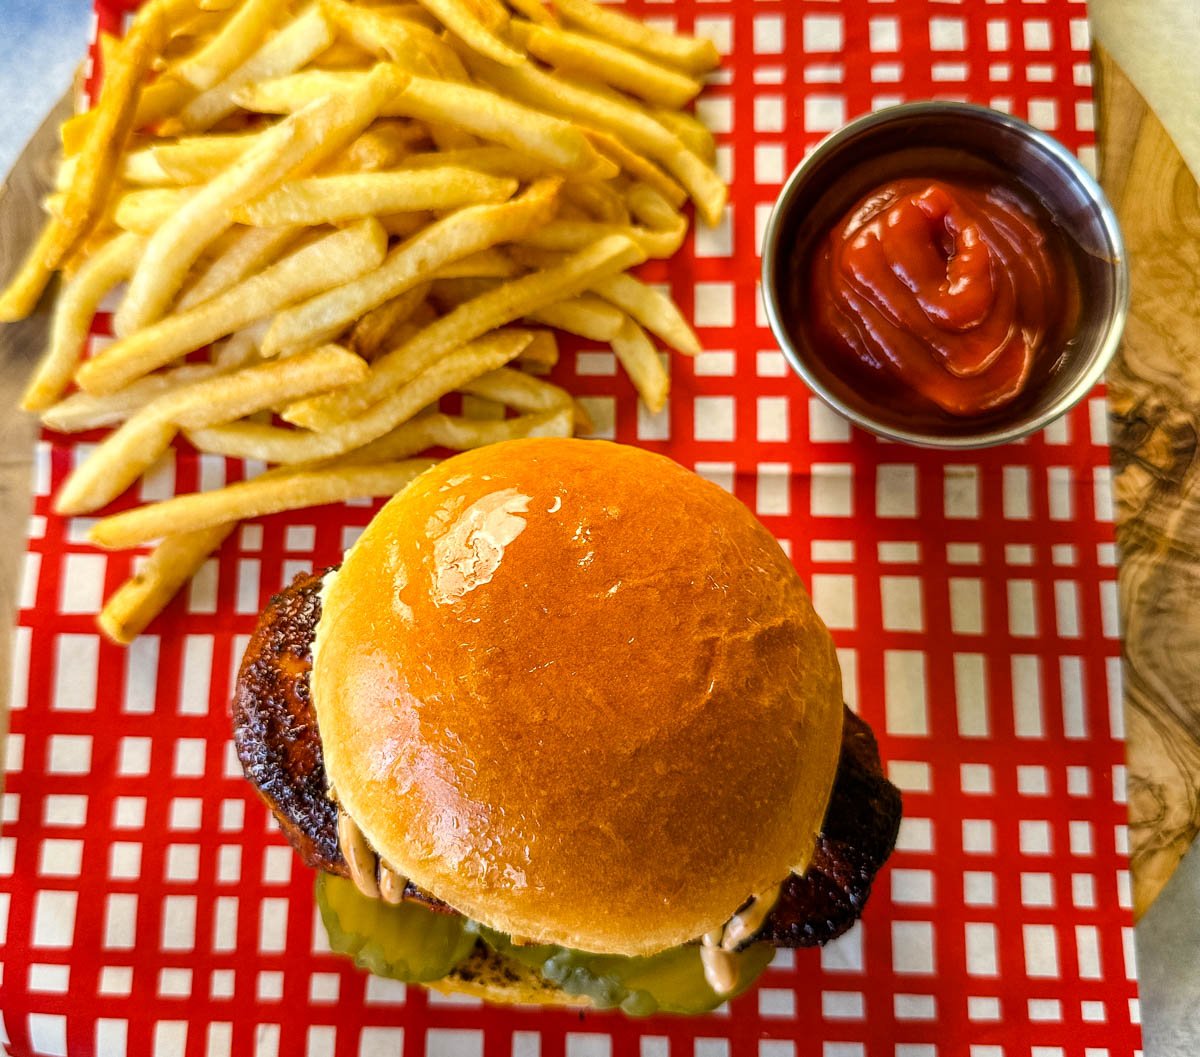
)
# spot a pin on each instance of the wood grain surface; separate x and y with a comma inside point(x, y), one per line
point(1154, 396)
point(21, 344)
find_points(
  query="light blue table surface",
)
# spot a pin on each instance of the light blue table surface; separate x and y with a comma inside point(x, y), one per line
point(41, 43)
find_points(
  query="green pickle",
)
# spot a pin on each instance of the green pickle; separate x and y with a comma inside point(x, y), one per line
point(412, 943)
point(670, 982)
point(405, 942)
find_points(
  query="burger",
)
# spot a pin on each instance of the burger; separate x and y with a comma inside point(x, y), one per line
point(564, 729)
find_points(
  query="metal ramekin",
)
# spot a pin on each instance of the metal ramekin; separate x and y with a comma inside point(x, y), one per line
point(882, 146)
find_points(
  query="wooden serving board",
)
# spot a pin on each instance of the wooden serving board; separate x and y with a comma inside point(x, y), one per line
point(1154, 390)
point(1154, 396)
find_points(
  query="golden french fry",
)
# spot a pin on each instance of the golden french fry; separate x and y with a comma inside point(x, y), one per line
point(195, 159)
point(249, 252)
point(506, 303)
point(304, 139)
point(372, 331)
point(404, 225)
point(461, 433)
point(268, 494)
point(589, 317)
point(499, 161)
point(486, 264)
point(144, 595)
point(477, 409)
point(458, 235)
point(336, 199)
point(613, 114)
point(568, 235)
point(608, 63)
point(144, 211)
point(77, 303)
point(139, 167)
point(232, 45)
point(541, 354)
point(380, 147)
point(107, 133)
point(128, 452)
point(641, 361)
point(694, 54)
point(294, 46)
point(25, 288)
point(402, 40)
point(457, 17)
point(535, 11)
point(439, 378)
point(652, 309)
point(518, 390)
point(162, 100)
point(343, 55)
point(694, 134)
point(638, 167)
point(598, 200)
point(494, 117)
point(330, 261)
point(82, 411)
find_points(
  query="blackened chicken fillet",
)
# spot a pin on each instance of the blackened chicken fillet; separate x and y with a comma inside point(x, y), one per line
point(276, 736)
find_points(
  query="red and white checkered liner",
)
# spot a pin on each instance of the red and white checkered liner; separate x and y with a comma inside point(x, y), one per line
point(148, 905)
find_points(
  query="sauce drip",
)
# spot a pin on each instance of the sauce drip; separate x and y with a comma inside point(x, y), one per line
point(370, 874)
point(717, 947)
point(950, 289)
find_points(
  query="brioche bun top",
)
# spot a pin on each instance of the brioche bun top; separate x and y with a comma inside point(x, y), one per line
point(579, 693)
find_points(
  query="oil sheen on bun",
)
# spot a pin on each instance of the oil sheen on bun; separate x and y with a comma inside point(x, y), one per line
point(579, 693)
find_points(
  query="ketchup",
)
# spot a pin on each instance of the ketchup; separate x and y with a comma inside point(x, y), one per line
point(950, 290)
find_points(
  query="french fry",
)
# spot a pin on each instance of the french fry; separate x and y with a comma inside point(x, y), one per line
point(336, 199)
point(404, 41)
point(535, 11)
point(73, 312)
point(652, 309)
point(553, 141)
point(443, 376)
point(128, 452)
point(269, 494)
point(541, 355)
point(610, 64)
point(499, 161)
point(138, 167)
point(693, 54)
point(230, 47)
point(25, 288)
point(640, 359)
point(486, 264)
point(194, 159)
point(101, 138)
point(638, 167)
point(457, 17)
point(458, 235)
point(589, 317)
point(330, 261)
point(477, 409)
point(694, 134)
point(461, 434)
point(144, 211)
point(569, 235)
point(304, 139)
point(382, 146)
point(162, 100)
point(486, 312)
point(518, 390)
point(294, 46)
point(343, 55)
point(169, 566)
point(623, 119)
point(369, 335)
point(250, 251)
point(82, 411)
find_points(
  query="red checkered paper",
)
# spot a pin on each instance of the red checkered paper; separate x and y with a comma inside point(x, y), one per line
point(149, 905)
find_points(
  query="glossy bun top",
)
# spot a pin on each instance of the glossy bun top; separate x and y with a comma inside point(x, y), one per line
point(579, 693)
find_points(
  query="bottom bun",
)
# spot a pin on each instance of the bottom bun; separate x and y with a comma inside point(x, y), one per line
point(497, 978)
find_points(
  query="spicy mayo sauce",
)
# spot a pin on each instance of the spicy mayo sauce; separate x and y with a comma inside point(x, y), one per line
point(952, 294)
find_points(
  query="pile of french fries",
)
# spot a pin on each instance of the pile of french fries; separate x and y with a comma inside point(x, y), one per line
point(322, 217)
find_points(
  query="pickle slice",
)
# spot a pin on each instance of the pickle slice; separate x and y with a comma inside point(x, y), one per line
point(670, 982)
point(405, 942)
